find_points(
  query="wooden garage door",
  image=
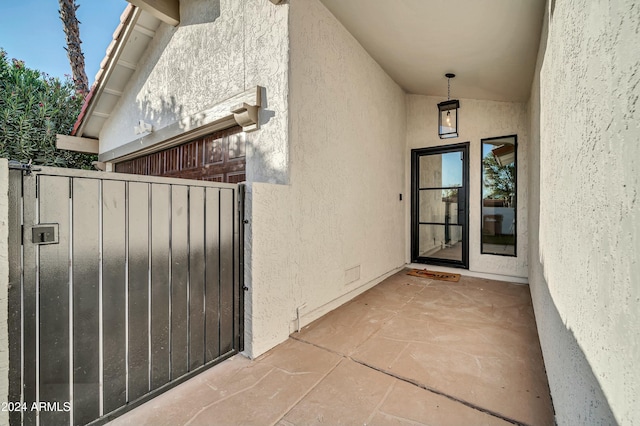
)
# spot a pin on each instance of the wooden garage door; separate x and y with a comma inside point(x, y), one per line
point(218, 157)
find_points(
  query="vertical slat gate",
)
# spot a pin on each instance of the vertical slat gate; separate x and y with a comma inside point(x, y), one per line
point(226, 270)
point(52, 289)
point(15, 292)
point(29, 297)
point(196, 277)
point(179, 280)
point(212, 274)
point(160, 286)
point(138, 258)
point(140, 291)
point(114, 294)
point(85, 284)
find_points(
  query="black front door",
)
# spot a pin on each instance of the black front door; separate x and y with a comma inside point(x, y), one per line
point(440, 205)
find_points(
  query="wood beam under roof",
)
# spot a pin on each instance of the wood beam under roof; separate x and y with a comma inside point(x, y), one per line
point(166, 10)
point(76, 143)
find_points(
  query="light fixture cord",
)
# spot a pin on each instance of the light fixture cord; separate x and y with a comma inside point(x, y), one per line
point(448, 88)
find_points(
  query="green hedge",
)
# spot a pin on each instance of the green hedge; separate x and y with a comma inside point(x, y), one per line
point(33, 109)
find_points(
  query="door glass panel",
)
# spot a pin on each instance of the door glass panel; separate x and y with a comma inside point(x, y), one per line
point(441, 170)
point(439, 205)
point(499, 196)
point(440, 242)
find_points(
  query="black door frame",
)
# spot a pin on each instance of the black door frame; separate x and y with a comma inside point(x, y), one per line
point(415, 173)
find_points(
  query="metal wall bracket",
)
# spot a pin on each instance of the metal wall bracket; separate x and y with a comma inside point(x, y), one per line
point(247, 116)
point(27, 168)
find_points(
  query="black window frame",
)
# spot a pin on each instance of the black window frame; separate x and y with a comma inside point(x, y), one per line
point(515, 210)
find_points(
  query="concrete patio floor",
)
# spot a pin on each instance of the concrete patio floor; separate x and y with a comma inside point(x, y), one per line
point(410, 351)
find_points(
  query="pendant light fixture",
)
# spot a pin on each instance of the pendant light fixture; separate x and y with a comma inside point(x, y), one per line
point(448, 114)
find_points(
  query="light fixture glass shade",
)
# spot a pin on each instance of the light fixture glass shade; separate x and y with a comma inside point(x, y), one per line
point(448, 119)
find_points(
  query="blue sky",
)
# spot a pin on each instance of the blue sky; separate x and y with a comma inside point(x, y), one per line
point(31, 30)
point(452, 169)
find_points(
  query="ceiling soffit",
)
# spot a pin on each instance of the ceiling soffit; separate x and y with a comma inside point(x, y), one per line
point(491, 45)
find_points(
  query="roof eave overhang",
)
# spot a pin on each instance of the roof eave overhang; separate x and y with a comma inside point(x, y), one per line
point(136, 30)
point(165, 10)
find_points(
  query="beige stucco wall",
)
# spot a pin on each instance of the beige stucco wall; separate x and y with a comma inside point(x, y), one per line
point(478, 120)
point(338, 228)
point(220, 49)
point(4, 287)
point(585, 274)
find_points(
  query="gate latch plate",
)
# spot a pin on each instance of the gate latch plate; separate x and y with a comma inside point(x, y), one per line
point(45, 233)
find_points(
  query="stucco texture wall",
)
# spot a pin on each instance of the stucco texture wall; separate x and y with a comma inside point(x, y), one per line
point(585, 269)
point(478, 119)
point(342, 209)
point(220, 48)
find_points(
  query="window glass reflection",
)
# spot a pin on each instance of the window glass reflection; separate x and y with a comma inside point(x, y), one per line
point(499, 196)
point(441, 170)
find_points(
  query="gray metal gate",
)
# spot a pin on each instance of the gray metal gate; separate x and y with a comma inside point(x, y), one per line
point(121, 287)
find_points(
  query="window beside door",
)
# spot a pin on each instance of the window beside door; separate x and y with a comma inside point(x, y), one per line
point(499, 195)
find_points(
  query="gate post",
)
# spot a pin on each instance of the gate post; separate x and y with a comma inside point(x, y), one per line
point(242, 290)
point(4, 287)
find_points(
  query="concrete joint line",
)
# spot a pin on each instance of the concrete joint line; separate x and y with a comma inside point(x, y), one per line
point(206, 407)
point(437, 392)
point(411, 382)
point(320, 347)
point(382, 401)
point(308, 391)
